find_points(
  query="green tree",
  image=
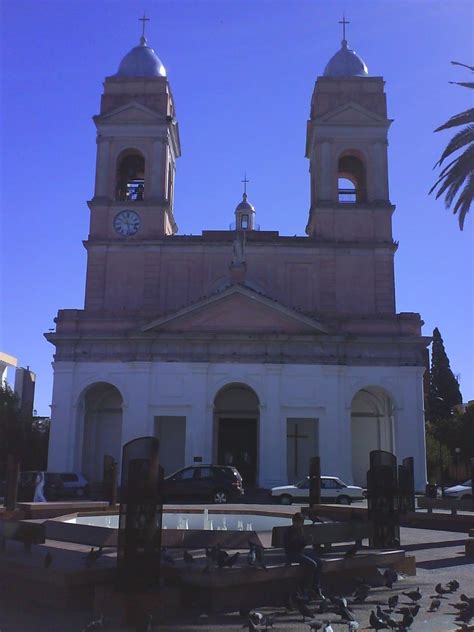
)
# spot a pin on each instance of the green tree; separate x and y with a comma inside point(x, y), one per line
point(457, 177)
point(444, 388)
point(11, 425)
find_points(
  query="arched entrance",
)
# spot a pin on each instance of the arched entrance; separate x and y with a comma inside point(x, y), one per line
point(102, 428)
point(236, 414)
point(372, 428)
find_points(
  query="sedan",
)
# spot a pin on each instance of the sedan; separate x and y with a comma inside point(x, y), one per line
point(459, 491)
point(332, 488)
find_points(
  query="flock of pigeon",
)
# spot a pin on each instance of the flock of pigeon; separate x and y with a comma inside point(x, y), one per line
point(381, 618)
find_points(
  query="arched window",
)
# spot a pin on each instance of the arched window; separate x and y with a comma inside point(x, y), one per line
point(130, 177)
point(352, 185)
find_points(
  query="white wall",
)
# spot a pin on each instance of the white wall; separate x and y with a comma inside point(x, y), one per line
point(324, 392)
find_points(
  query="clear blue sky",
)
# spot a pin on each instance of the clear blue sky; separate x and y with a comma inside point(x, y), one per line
point(242, 73)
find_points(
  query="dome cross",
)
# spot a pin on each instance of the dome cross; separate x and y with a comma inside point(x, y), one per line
point(143, 20)
point(344, 22)
point(245, 182)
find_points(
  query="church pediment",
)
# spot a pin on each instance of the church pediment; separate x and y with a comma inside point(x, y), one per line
point(133, 112)
point(238, 309)
point(352, 114)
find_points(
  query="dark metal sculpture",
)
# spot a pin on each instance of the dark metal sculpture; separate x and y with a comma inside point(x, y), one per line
point(406, 483)
point(141, 508)
point(314, 481)
point(383, 500)
point(110, 479)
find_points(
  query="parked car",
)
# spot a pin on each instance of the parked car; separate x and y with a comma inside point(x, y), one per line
point(57, 485)
point(332, 489)
point(219, 483)
point(459, 491)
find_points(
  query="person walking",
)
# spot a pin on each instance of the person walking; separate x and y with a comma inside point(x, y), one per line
point(39, 496)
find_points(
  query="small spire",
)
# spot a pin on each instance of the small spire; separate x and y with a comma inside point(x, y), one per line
point(245, 182)
point(344, 22)
point(143, 20)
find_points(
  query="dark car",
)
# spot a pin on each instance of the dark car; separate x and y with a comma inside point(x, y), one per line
point(219, 483)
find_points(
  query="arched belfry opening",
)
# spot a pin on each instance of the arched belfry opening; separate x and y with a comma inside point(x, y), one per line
point(130, 179)
point(102, 428)
point(351, 179)
point(372, 428)
point(236, 419)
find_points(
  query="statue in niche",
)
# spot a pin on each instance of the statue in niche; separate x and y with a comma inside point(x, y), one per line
point(238, 249)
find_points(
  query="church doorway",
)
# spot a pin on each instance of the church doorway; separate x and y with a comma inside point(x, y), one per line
point(236, 413)
point(372, 429)
point(102, 429)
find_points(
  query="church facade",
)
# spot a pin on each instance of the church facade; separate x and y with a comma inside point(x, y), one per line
point(242, 346)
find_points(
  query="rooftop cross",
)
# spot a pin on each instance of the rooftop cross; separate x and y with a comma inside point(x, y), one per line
point(144, 20)
point(343, 22)
point(245, 181)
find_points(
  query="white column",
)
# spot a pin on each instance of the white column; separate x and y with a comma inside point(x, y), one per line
point(272, 433)
point(199, 419)
point(63, 419)
point(410, 425)
point(103, 168)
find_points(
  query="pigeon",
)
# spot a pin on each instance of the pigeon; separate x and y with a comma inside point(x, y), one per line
point(435, 604)
point(394, 625)
point(392, 602)
point(187, 557)
point(375, 622)
point(414, 595)
point(315, 625)
point(256, 553)
point(439, 590)
point(415, 610)
point(453, 585)
point(232, 559)
point(407, 620)
point(256, 617)
point(93, 555)
point(353, 626)
point(466, 599)
point(328, 627)
point(221, 558)
point(465, 615)
point(390, 577)
point(48, 560)
point(361, 593)
point(97, 624)
point(303, 608)
point(166, 557)
point(268, 621)
point(381, 614)
point(145, 625)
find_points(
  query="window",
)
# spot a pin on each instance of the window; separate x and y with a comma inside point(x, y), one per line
point(244, 222)
point(184, 475)
point(130, 178)
point(351, 180)
point(203, 472)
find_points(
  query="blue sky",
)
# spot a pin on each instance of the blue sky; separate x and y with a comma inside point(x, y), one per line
point(242, 74)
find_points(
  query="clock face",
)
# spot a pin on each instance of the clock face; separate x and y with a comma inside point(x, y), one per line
point(127, 223)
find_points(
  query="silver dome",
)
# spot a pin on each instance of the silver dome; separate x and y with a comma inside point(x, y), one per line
point(141, 61)
point(346, 63)
point(245, 205)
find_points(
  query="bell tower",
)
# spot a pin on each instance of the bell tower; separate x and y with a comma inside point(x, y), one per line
point(346, 145)
point(137, 148)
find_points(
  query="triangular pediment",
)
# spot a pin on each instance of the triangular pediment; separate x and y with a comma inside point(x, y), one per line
point(352, 114)
point(132, 112)
point(237, 309)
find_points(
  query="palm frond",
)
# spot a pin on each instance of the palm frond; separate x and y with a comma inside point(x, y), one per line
point(465, 84)
point(463, 166)
point(465, 136)
point(458, 119)
point(458, 63)
point(464, 201)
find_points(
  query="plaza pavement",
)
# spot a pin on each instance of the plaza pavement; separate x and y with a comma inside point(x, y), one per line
point(439, 555)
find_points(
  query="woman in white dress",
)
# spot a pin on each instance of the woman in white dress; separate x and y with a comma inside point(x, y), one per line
point(39, 487)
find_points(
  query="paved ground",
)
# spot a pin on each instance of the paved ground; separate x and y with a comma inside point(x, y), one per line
point(440, 558)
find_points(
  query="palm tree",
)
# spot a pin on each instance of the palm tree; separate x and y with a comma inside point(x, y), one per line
point(458, 175)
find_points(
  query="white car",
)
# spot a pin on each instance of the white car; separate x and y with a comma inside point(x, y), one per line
point(459, 491)
point(332, 488)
